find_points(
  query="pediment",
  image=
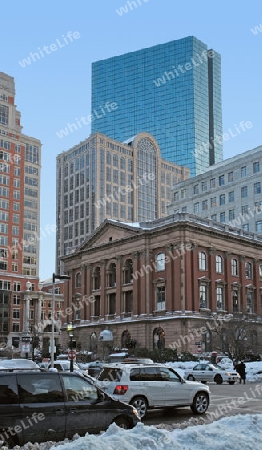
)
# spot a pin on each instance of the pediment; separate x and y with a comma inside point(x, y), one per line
point(110, 231)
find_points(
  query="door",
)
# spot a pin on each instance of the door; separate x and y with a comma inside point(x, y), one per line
point(42, 406)
point(9, 407)
point(175, 393)
point(150, 385)
point(82, 411)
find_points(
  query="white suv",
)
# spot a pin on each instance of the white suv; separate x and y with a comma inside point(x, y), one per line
point(152, 386)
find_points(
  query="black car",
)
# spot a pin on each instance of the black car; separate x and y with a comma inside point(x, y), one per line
point(41, 406)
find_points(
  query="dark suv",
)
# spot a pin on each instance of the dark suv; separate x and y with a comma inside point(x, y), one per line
point(41, 406)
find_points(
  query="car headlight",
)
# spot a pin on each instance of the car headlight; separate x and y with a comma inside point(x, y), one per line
point(228, 374)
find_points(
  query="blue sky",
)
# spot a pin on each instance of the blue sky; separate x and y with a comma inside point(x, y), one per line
point(56, 89)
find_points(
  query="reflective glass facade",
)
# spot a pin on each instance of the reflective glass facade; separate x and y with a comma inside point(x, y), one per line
point(172, 91)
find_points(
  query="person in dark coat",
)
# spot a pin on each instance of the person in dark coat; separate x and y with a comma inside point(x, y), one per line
point(241, 369)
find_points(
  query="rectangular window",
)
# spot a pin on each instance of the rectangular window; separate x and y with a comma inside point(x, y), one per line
point(220, 298)
point(204, 186)
point(196, 208)
point(245, 226)
point(160, 298)
point(257, 188)
point(231, 196)
point(223, 217)
point(243, 171)
point(221, 180)
point(259, 226)
point(204, 205)
point(4, 110)
point(203, 296)
point(14, 267)
point(212, 183)
point(222, 199)
point(213, 202)
point(244, 192)
point(115, 176)
point(196, 189)
point(230, 177)
point(256, 167)
point(231, 214)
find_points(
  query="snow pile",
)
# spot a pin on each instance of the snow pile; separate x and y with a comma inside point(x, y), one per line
point(235, 432)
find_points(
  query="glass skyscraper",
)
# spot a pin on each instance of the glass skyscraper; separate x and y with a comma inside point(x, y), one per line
point(172, 91)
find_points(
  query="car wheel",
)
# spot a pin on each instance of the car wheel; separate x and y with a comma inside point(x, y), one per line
point(200, 403)
point(190, 378)
point(122, 422)
point(218, 379)
point(140, 404)
point(231, 382)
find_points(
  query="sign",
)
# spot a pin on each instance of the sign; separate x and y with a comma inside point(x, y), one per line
point(26, 347)
point(197, 343)
point(50, 349)
point(71, 355)
point(199, 348)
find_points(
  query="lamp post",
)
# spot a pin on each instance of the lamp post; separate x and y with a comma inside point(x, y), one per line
point(55, 277)
point(71, 335)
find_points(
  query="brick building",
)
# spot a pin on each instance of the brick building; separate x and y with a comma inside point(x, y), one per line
point(20, 164)
point(156, 281)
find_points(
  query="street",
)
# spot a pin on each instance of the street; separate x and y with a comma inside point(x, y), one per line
point(226, 400)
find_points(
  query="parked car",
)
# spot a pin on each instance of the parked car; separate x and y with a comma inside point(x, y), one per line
point(41, 406)
point(18, 364)
point(152, 386)
point(94, 369)
point(210, 372)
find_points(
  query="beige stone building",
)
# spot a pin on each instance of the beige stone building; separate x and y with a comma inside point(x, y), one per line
point(102, 178)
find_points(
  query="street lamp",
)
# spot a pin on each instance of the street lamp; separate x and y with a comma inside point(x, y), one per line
point(55, 277)
point(71, 335)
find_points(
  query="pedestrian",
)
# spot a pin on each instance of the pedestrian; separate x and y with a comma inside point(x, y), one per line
point(241, 369)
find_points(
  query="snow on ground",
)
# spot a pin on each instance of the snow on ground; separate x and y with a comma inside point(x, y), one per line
point(230, 433)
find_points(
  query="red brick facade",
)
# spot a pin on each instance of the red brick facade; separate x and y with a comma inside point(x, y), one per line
point(171, 275)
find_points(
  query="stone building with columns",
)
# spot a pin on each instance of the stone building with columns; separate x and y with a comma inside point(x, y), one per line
point(154, 282)
point(35, 317)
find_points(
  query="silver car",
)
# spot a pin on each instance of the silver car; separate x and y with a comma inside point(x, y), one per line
point(210, 372)
point(147, 386)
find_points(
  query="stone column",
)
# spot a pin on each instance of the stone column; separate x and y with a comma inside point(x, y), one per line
point(103, 290)
point(136, 292)
point(168, 276)
point(212, 275)
point(118, 285)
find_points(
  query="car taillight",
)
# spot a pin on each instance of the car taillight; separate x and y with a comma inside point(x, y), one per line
point(120, 389)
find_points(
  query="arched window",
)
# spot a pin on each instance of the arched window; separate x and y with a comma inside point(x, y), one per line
point(202, 261)
point(219, 264)
point(234, 267)
point(160, 262)
point(78, 279)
